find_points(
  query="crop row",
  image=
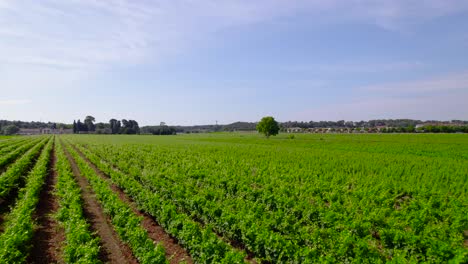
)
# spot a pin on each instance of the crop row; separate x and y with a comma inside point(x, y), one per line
point(238, 226)
point(351, 206)
point(11, 179)
point(10, 142)
point(125, 222)
point(14, 153)
point(81, 246)
point(203, 245)
point(19, 227)
point(11, 146)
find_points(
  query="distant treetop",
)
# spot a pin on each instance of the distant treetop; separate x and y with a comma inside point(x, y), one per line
point(268, 126)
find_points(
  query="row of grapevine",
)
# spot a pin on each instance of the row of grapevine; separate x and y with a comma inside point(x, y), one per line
point(11, 146)
point(6, 143)
point(203, 245)
point(81, 245)
point(14, 153)
point(289, 203)
point(238, 226)
point(125, 222)
point(11, 179)
point(16, 238)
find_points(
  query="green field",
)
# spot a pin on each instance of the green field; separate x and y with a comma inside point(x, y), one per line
point(239, 197)
point(315, 197)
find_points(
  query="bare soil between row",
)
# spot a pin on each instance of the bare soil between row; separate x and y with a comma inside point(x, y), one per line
point(113, 250)
point(174, 252)
point(250, 257)
point(48, 236)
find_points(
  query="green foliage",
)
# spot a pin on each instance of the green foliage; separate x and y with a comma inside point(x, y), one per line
point(89, 123)
point(18, 229)
point(11, 152)
point(126, 223)
point(10, 147)
point(159, 130)
point(346, 198)
point(11, 179)
point(444, 129)
point(10, 130)
point(268, 126)
point(204, 246)
point(81, 246)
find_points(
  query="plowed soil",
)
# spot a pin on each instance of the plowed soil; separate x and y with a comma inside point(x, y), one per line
point(113, 250)
point(174, 252)
point(49, 236)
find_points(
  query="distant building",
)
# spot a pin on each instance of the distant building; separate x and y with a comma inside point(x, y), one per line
point(294, 130)
point(46, 131)
point(66, 131)
point(49, 131)
point(29, 131)
point(380, 128)
point(438, 124)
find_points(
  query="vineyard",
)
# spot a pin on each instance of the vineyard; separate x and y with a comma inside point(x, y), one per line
point(234, 198)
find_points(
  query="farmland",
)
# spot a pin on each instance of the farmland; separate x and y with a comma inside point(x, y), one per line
point(234, 198)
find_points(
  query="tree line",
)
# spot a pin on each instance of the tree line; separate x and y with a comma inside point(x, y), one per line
point(114, 126)
point(124, 126)
point(12, 127)
point(391, 126)
point(443, 129)
point(159, 130)
point(370, 123)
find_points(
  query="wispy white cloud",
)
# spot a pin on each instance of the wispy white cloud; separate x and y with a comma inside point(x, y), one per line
point(356, 67)
point(72, 33)
point(445, 83)
point(11, 102)
point(5, 4)
point(401, 14)
point(373, 67)
point(442, 107)
point(90, 33)
point(48, 45)
point(441, 97)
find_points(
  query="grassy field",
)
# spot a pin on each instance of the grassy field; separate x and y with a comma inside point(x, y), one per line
point(236, 198)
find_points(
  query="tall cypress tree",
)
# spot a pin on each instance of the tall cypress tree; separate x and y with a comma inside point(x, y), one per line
point(74, 127)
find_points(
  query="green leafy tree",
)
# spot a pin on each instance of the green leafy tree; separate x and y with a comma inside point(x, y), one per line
point(114, 126)
point(89, 123)
point(80, 126)
point(10, 130)
point(75, 128)
point(268, 126)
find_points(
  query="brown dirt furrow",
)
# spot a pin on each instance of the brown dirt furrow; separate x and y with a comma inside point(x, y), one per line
point(113, 250)
point(1, 220)
point(6, 205)
point(174, 252)
point(250, 256)
point(48, 236)
point(465, 234)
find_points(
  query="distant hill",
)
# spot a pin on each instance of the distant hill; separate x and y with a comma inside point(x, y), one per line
point(240, 126)
point(237, 126)
point(198, 128)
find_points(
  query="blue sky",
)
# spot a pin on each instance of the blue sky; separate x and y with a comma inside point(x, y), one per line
point(195, 62)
